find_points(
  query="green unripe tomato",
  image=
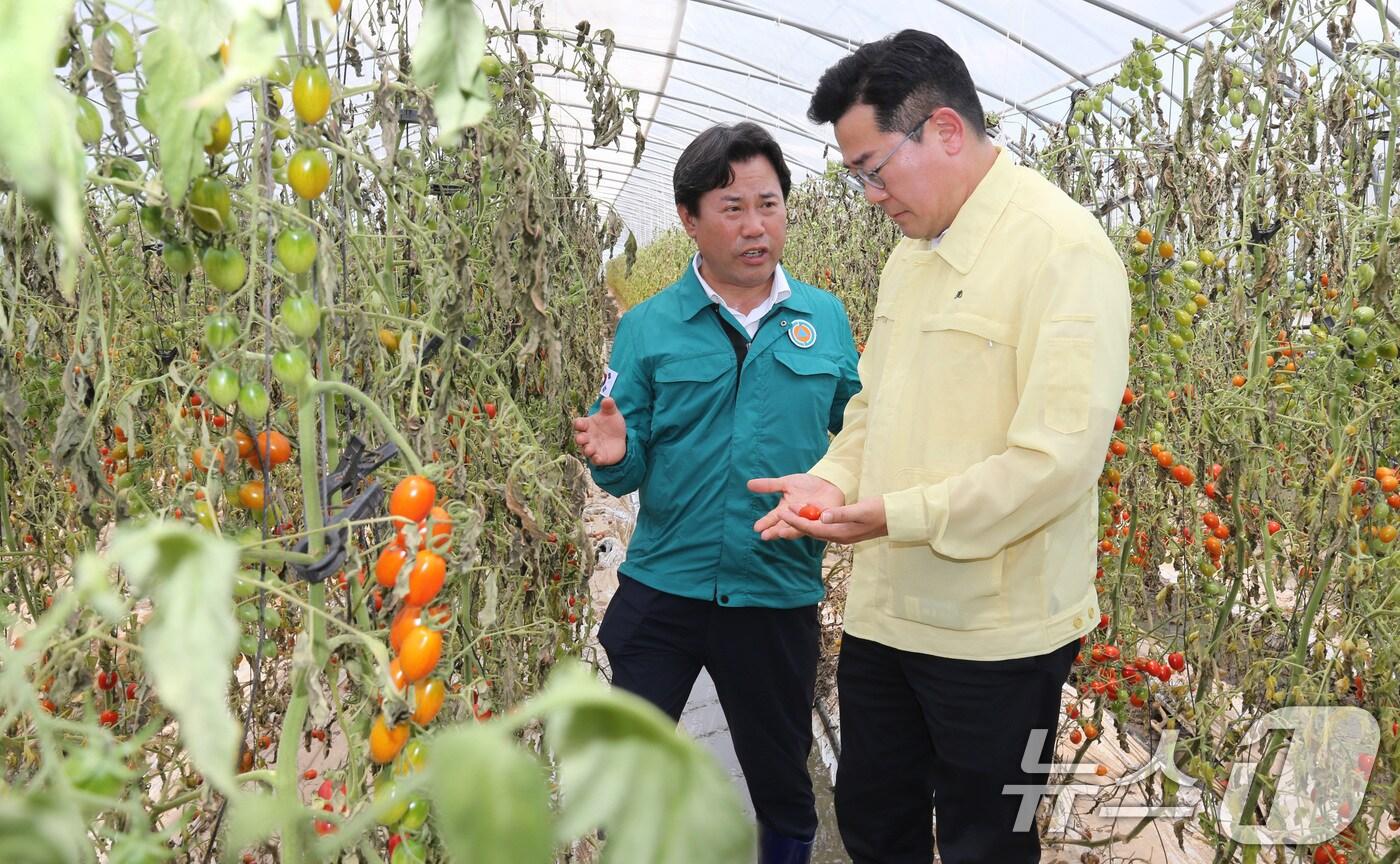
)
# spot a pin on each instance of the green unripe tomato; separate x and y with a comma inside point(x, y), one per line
point(296, 249)
point(253, 399)
point(223, 386)
point(291, 367)
point(301, 315)
point(226, 268)
point(220, 332)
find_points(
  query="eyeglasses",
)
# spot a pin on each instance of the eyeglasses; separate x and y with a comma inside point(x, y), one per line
point(858, 179)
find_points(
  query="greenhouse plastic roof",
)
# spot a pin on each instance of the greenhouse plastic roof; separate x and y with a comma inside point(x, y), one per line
point(700, 62)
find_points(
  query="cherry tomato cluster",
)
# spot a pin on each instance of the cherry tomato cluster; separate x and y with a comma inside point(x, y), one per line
point(412, 567)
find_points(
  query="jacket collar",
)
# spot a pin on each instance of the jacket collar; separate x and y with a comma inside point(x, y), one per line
point(963, 241)
point(693, 300)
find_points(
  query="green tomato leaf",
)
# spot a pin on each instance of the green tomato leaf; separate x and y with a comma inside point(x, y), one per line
point(39, 827)
point(254, 45)
point(490, 799)
point(192, 635)
point(622, 765)
point(40, 151)
point(446, 56)
point(199, 24)
point(175, 75)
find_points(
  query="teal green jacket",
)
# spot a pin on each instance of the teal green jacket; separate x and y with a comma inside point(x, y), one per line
point(699, 427)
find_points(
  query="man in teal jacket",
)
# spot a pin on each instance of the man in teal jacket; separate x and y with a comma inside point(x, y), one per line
point(735, 371)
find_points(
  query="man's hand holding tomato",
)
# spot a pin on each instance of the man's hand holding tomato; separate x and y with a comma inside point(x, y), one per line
point(602, 436)
point(813, 507)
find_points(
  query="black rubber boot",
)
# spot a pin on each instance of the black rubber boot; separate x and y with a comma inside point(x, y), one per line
point(774, 848)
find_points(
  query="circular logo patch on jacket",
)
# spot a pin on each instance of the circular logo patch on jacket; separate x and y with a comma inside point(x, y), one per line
point(802, 333)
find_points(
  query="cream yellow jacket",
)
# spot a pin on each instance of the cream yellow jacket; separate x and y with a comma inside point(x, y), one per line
point(991, 377)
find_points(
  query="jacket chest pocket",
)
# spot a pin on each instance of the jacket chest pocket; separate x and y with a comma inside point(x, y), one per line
point(799, 400)
point(970, 361)
point(688, 390)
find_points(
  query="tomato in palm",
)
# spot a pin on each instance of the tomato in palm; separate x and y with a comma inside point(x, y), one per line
point(810, 512)
point(388, 565)
point(291, 367)
point(296, 249)
point(253, 399)
point(273, 448)
point(311, 94)
point(209, 204)
point(309, 173)
point(226, 268)
point(413, 498)
point(427, 700)
point(252, 496)
point(301, 315)
point(420, 652)
point(222, 386)
point(426, 578)
point(219, 134)
point(386, 741)
point(177, 257)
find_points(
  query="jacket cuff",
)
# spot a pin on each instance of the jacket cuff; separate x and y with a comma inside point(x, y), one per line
point(917, 514)
point(617, 473)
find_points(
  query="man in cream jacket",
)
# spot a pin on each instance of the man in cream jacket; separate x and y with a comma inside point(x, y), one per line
point(965, 470)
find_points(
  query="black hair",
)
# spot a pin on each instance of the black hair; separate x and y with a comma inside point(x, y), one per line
point(905, 78)
point(707, 162)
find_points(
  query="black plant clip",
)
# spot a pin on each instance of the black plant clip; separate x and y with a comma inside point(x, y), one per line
point(355, 465)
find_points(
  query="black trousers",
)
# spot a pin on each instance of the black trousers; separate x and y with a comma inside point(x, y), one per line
point(921, 734)
point(764, 665)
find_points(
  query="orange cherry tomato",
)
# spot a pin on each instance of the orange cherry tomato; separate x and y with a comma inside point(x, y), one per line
point(244, 442)
point(272, 447)
point(426, 578)
point(405, 620)
point(201, 459)
point(419, 654)
point(397, 679)
point(252, 496)
point(390, 562)
point(413, 498)
point(427, 700)
point(386, 741)
point(434, 533)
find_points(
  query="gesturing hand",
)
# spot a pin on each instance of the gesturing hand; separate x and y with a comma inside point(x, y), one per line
point(602, 436)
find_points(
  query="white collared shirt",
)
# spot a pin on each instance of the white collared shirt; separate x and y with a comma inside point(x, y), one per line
point(750, 322)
